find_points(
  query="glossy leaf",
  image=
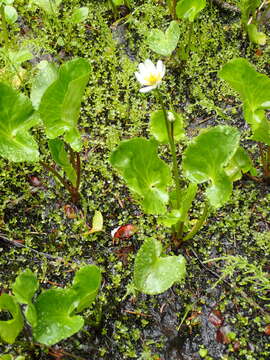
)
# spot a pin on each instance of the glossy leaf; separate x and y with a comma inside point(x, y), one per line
point(55, 319)
point(189, 9)
point(254, 90)
point(25, 286)
point(79, 15)
point(146, 175)
point(10, 329)
point(86, 284)
point(46, 75)
point(205, 159)
point(257, 37)
point(11, 14)
point(164, 43)
point(240, 163)
point(247, 8)
point(18, 57)
point(154, 274)
point(60, 105)
point(158, 126)
point(16, 143)
point(49, 6)
point(60, 156)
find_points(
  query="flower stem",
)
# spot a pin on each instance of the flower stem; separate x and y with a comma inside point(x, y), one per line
point(190, 33)
point(199, 222)
point(176, 174)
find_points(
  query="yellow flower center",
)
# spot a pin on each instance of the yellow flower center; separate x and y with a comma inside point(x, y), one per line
point(152, 79)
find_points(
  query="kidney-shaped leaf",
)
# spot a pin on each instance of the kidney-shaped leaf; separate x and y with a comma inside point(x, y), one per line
point(254, 90)
point(154, 274)
point(189, 9)
point(79, 15)
point(240, 163)
point(164, 43)
point(86, 284)
point(10, 329)
point(49, 6)
point(205, 159)
point(60, 105)
point(55, 320)
point(146, 175)
point(16, 143)
point(158, 126)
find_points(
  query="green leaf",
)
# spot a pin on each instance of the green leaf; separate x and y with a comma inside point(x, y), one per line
point(240, 163)
point(60, 105)
point(46, 75)
point(164, 43)
point(205, 159)
point(25, 286)
point(154, 274)
point(146, 175)
point(16, 58)
point(60, 156)
point(189, 9)
point(86, 284)
point(10, 329)
point(97, 222)
point(49, 6)
point(16, 143)
point(79, 15)
point(55, 320)
point(247, 8)
point(256, 36)
point(174, 216)
point(254, 90)
point(118, 2)
point(158, 126)
point(11, 14)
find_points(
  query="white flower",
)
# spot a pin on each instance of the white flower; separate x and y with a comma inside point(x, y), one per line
point(171, 116)
point(150, 75)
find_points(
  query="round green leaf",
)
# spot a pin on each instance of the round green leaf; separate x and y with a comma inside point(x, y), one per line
point(55, 320)
point(11, 14)
point(79, 15)
point(254, 90)
point(206, 157)
point(158, 126)
point(189, 9)
point(240, 163)
point(60, 105)
point(10, 329)
point(154, 274)
point(16, 144)
point(164, 43)
point(146, 175)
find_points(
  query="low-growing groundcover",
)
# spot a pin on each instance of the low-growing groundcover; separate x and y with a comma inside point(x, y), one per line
point(221, 309)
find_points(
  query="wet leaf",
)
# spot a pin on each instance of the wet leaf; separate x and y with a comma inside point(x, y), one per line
point(124, 231)
point(215, 318)
point(158, 126)
point(49, 6)
point(146, 175)
point(60, 104)
point(222, 335)
point(10, 329)
point(205, 160)
point(25, 286)
point(254, 91)
point(11, 14)
point(16, 143)
point(257, 37)
point(153, 273)
point(164, 43)
point(189, 9)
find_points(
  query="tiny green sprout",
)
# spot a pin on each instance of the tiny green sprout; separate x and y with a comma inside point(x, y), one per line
point(203, 352)
point(9, 16)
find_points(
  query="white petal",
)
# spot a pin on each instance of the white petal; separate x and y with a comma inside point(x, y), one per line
point(141, 79)
point(161, 68)
point(150, 66)
point(142, 68)
point(147, 88)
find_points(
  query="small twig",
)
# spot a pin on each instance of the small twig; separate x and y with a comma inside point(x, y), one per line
point(136, 313)
point(15, 243)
